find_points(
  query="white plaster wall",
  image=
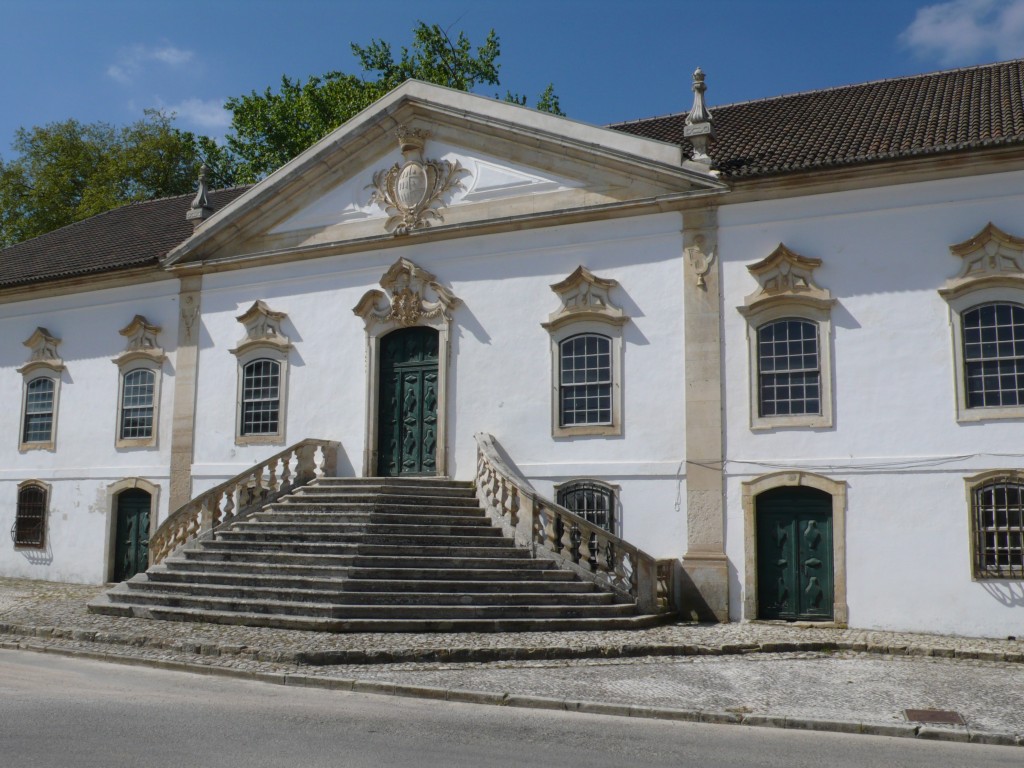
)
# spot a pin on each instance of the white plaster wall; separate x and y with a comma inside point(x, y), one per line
point(895, 435)
point(500, 374)
point(86, 460)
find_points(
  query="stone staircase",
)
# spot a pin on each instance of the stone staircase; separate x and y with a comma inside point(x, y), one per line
point(370, 555)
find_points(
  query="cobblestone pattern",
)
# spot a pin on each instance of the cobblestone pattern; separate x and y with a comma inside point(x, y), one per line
point(46, 609)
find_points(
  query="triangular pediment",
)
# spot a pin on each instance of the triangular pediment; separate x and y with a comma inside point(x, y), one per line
point(426, 161)
point(485, 178)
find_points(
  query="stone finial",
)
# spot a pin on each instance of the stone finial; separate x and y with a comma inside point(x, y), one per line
point(200, 209)
point(698, 127)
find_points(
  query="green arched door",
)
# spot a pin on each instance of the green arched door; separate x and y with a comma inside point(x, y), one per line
point(407, 403)
point(131, 550)
point(794, 554)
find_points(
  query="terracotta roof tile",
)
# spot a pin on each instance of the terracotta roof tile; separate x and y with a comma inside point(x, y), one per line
point(884, 120)
point(131, 236)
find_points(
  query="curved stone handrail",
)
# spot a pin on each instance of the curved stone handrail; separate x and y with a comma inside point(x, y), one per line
point(260, 484)
point(552, 531)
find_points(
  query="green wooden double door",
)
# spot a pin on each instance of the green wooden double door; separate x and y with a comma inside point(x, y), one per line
point(131, 545)
point(407, 403)
point(795, 578)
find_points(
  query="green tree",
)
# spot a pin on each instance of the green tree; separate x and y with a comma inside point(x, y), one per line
point(67, 171)
point(270, 128)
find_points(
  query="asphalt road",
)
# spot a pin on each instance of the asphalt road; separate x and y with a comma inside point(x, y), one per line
point(71, 713)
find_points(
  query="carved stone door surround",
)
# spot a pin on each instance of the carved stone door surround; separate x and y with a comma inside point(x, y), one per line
point(411, 297)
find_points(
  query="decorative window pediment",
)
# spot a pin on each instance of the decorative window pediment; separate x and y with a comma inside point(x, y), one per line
point(411, 296)
point(585, 297)
point(262, 330)
point(789, 338)
point(40, 392)
point(991, 259)
point(43, 353)
point(586, 357)
point(986, 302)
point(141, 342)
point(786, 277)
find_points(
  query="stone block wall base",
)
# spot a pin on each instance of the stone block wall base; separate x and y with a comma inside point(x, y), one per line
point(704, 588)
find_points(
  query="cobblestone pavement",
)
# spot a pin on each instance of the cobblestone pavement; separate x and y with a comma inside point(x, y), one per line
point(756, 673)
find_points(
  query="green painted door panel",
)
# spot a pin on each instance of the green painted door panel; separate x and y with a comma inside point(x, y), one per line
point(794, 554)
point(407, 418)
point(131, 551)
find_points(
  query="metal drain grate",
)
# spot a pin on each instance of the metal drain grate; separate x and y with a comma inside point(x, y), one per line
point(940, 716)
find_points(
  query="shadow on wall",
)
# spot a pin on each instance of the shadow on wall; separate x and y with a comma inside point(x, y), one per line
point(1010, 594)
point(38, 556)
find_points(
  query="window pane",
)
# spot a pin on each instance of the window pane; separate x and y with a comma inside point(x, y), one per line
point(788, 368)
point(585, 380)
point(38, 422)
point(137, 404)
point(993, 366)
point(30, 519)
point(998, 521)
point(260, 397)
point(590, 500)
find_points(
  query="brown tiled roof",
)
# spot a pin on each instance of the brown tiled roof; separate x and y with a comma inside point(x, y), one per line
point(884, 120)
point(131, 236)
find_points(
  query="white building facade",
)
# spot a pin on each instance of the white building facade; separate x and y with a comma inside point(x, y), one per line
point(800, 384)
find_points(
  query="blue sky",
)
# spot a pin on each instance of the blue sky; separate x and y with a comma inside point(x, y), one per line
point(610, 60)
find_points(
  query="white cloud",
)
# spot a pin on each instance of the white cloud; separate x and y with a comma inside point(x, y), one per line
point(204, 114)
point(131, 61)
point(967, 31)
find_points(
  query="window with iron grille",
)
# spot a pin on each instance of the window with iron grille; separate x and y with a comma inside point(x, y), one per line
point(585, 380)
point(30, 520)
point(993, 355)
point(38, 422)
point(788, 368)
point(591, 500)
point(261, 397)
point(137, 398)
point(998, 519)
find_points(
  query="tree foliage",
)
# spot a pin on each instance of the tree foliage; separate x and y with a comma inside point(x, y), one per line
point(270, 128)
point(67, 171)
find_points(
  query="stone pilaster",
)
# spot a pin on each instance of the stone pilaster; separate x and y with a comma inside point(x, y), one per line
point(705, 576)
point(186, 365)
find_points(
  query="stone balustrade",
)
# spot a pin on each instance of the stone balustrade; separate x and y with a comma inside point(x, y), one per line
point(261, 484)
point(552, 531)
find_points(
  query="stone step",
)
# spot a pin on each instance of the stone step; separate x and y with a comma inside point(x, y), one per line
point(338, 580)
point(470, 517)
point(324, 531)
point(370, 554)
point(335, 596)
point(355, 611)
point(498, 549)
point(379, 625)
point(339, 496)
point(289, 504)
point(475, 570)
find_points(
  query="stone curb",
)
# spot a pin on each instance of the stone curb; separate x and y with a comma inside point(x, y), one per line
point(508, 653)
point(379, 687)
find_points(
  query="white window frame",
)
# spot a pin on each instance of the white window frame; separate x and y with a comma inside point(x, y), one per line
point(263, 340)
point(586, 309)
point(957, 307)
point(788, 291)
point(44, 362)
point(992, 271)
point(142, 352)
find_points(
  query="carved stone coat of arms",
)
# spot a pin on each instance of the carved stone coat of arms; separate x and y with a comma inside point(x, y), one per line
point(412, 191)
